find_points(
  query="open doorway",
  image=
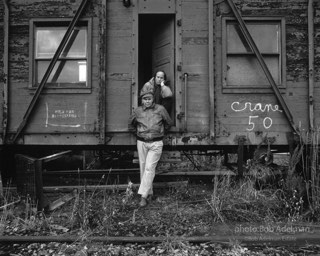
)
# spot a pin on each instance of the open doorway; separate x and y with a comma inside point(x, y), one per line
point(157, 49)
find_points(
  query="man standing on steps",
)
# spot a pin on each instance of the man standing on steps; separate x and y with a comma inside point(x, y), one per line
point(149, 121)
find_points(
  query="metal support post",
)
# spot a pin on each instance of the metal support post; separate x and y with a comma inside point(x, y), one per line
point(240, 157)
point(41, 200)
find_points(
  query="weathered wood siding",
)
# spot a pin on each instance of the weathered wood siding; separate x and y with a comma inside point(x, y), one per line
point(119, 66)
point(195, 62)
point(317, 62)
point(106, 107)
point(55, 110)
point(1, 63)
point(231, 124)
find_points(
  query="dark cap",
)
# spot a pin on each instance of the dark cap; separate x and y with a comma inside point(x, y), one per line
point(147, 89)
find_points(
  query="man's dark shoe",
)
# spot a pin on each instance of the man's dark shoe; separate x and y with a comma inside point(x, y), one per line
point(152, 197)
point(143, 202)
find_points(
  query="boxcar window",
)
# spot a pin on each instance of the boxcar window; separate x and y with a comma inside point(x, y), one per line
point(241, 67)
point(71, 69)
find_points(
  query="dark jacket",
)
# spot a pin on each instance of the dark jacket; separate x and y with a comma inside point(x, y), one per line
point(150, 123)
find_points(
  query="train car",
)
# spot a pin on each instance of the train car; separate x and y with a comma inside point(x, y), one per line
point(242, 72)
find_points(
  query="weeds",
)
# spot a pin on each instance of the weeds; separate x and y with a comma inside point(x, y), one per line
point(95, 210)
point(218, 195)
point(183, 211)
point(87, 214)
point(294, 206)
point(240, 201)
point(171, 245)
point(298, 191)
point(304, 164)
point(3, 218)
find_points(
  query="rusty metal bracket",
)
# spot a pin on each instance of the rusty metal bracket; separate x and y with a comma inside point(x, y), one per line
point(49, 69)
point(264, 67)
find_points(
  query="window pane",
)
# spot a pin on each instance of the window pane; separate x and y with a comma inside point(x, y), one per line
point(246, 70)
point(266, 37)
point(64, 71)
point(48, 40)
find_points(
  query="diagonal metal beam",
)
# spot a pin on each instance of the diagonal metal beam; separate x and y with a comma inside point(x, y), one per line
point(261, 61)
point(53, 61)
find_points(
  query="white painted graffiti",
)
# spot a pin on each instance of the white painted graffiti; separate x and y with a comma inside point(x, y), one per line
point(68, 113)
point(237, 107)
point(258, 107)
point(66, 117)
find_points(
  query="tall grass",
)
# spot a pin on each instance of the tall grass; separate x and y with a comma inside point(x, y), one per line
point(96, 209)
point(240, 201)
point(295, 198)
point(308, 156)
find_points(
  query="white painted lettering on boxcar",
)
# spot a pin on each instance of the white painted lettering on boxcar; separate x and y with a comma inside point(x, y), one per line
point(66, 117)
point(238, 107)
point(257, 107)
point(64, 114)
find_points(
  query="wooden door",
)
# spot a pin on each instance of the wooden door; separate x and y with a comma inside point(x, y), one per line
point(163, 47)
point(163, 51)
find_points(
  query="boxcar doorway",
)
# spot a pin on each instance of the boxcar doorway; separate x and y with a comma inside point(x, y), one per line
point(156, 48)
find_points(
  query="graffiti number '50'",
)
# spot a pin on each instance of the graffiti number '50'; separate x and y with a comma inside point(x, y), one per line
point(258, 107)
point(267, 122)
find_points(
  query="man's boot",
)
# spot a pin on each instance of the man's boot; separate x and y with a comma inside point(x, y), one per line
point(143, 202)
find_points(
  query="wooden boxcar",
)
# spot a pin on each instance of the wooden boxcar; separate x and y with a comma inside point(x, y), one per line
point(242, 71)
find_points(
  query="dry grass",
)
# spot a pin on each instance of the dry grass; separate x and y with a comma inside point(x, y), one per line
point(229, 200)
point(308, 156)
point(240, 201)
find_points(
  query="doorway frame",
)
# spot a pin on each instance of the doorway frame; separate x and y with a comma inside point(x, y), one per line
point(178, 77)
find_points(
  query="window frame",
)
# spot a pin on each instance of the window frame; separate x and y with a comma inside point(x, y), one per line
point(59, 22)
point(282, 57)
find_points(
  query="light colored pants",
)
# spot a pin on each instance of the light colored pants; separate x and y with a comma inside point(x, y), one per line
point(149, 155)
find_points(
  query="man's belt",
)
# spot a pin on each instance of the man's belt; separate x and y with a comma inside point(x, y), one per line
point(149, 140)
